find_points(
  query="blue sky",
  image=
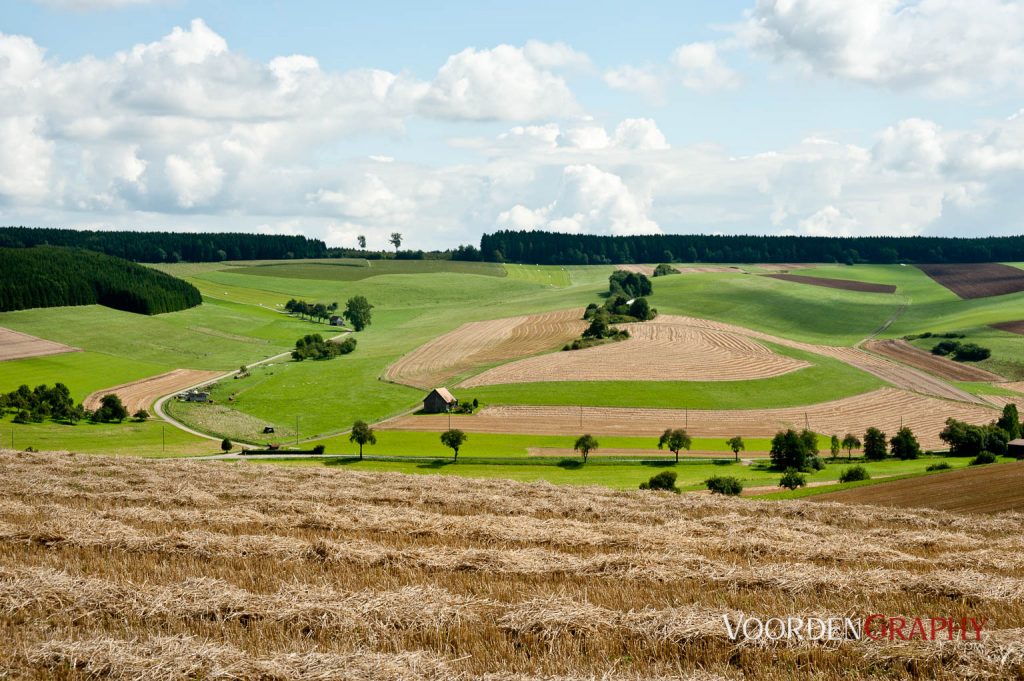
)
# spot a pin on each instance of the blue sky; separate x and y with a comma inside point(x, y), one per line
point(788, 116)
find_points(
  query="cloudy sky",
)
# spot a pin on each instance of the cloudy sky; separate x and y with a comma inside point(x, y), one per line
point(320, 118)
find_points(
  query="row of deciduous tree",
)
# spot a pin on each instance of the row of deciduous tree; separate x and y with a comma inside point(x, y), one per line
point(48, 276)
point(35, 405)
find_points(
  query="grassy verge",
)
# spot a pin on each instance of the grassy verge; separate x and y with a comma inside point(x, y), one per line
point(617, 473)
point(151, 438)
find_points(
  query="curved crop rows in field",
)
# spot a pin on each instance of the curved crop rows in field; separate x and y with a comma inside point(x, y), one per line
point(479, 344)
point(904, 352)
point(901, 376)
point(886, 408)
point(141, 394)
point(666, 349)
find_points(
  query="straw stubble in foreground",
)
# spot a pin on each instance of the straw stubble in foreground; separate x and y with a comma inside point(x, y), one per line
point(138, 569)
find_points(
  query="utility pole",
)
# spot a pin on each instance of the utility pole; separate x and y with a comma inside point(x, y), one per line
point(807, 422)
point(581, 418)
point(687, 422)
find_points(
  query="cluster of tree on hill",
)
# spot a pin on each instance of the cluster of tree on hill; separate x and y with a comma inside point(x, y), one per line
point(664, 269)
point(961, 352)
point(358, 311)
point(313, 346)
point(318, 311)
point(49, 276)
point(965, 439)
point(169, 246)
point(34, 405)
point(617, 309)
point(551, 248)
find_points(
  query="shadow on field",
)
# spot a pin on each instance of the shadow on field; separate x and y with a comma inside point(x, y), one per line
point(570, 464)
point(436, 463)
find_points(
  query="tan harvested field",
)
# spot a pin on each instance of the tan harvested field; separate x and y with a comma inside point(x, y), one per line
point(978, 489)
point(647, 270)
point(943, 367)
point(1016, 386)
point(885, 408)
point(480, 344)
point(665, 349)
point(129, 569)
point(899, 375)
point(141, 394)
point(17, 345)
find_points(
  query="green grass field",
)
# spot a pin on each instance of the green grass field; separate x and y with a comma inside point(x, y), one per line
point(151, 438)
point(424, 443)
point(622, 475)
point(416, 301)
point(827, 379)
point(81, 372)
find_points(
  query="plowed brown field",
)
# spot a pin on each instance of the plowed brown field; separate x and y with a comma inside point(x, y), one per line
point(844, 284)
point(978, 280)
point(1016, 327)
point(141, 394)
point(117, 568)
point(978, 489)
point(17, 345)
point(479, 344)
point(943, 367)
point(665, 349)
point(886, 408)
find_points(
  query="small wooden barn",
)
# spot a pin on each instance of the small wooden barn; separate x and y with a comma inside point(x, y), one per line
point(438, 401)
point(1016, 448)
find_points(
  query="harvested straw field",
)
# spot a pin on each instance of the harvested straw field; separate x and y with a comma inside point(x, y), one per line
point(978, 489)
point(17, 345)
point(479, 344)
point(979, 280)
point(665, 349)
point(141, 394)
point(943, 367)
point(112, 567)
point(899, 375)
point(885, 408)
point(844, 284)
point(647, 270)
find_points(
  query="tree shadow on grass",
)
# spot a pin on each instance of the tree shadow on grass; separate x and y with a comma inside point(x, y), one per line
point(658, 463)
point(436, 463)
point(570, 464)
point(341, 461)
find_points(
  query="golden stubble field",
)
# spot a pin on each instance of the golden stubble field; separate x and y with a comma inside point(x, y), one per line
point(123, 568)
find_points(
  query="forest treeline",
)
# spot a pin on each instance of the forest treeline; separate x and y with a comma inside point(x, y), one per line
point(169, 246)
point(50, 276)
point(550, 248)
